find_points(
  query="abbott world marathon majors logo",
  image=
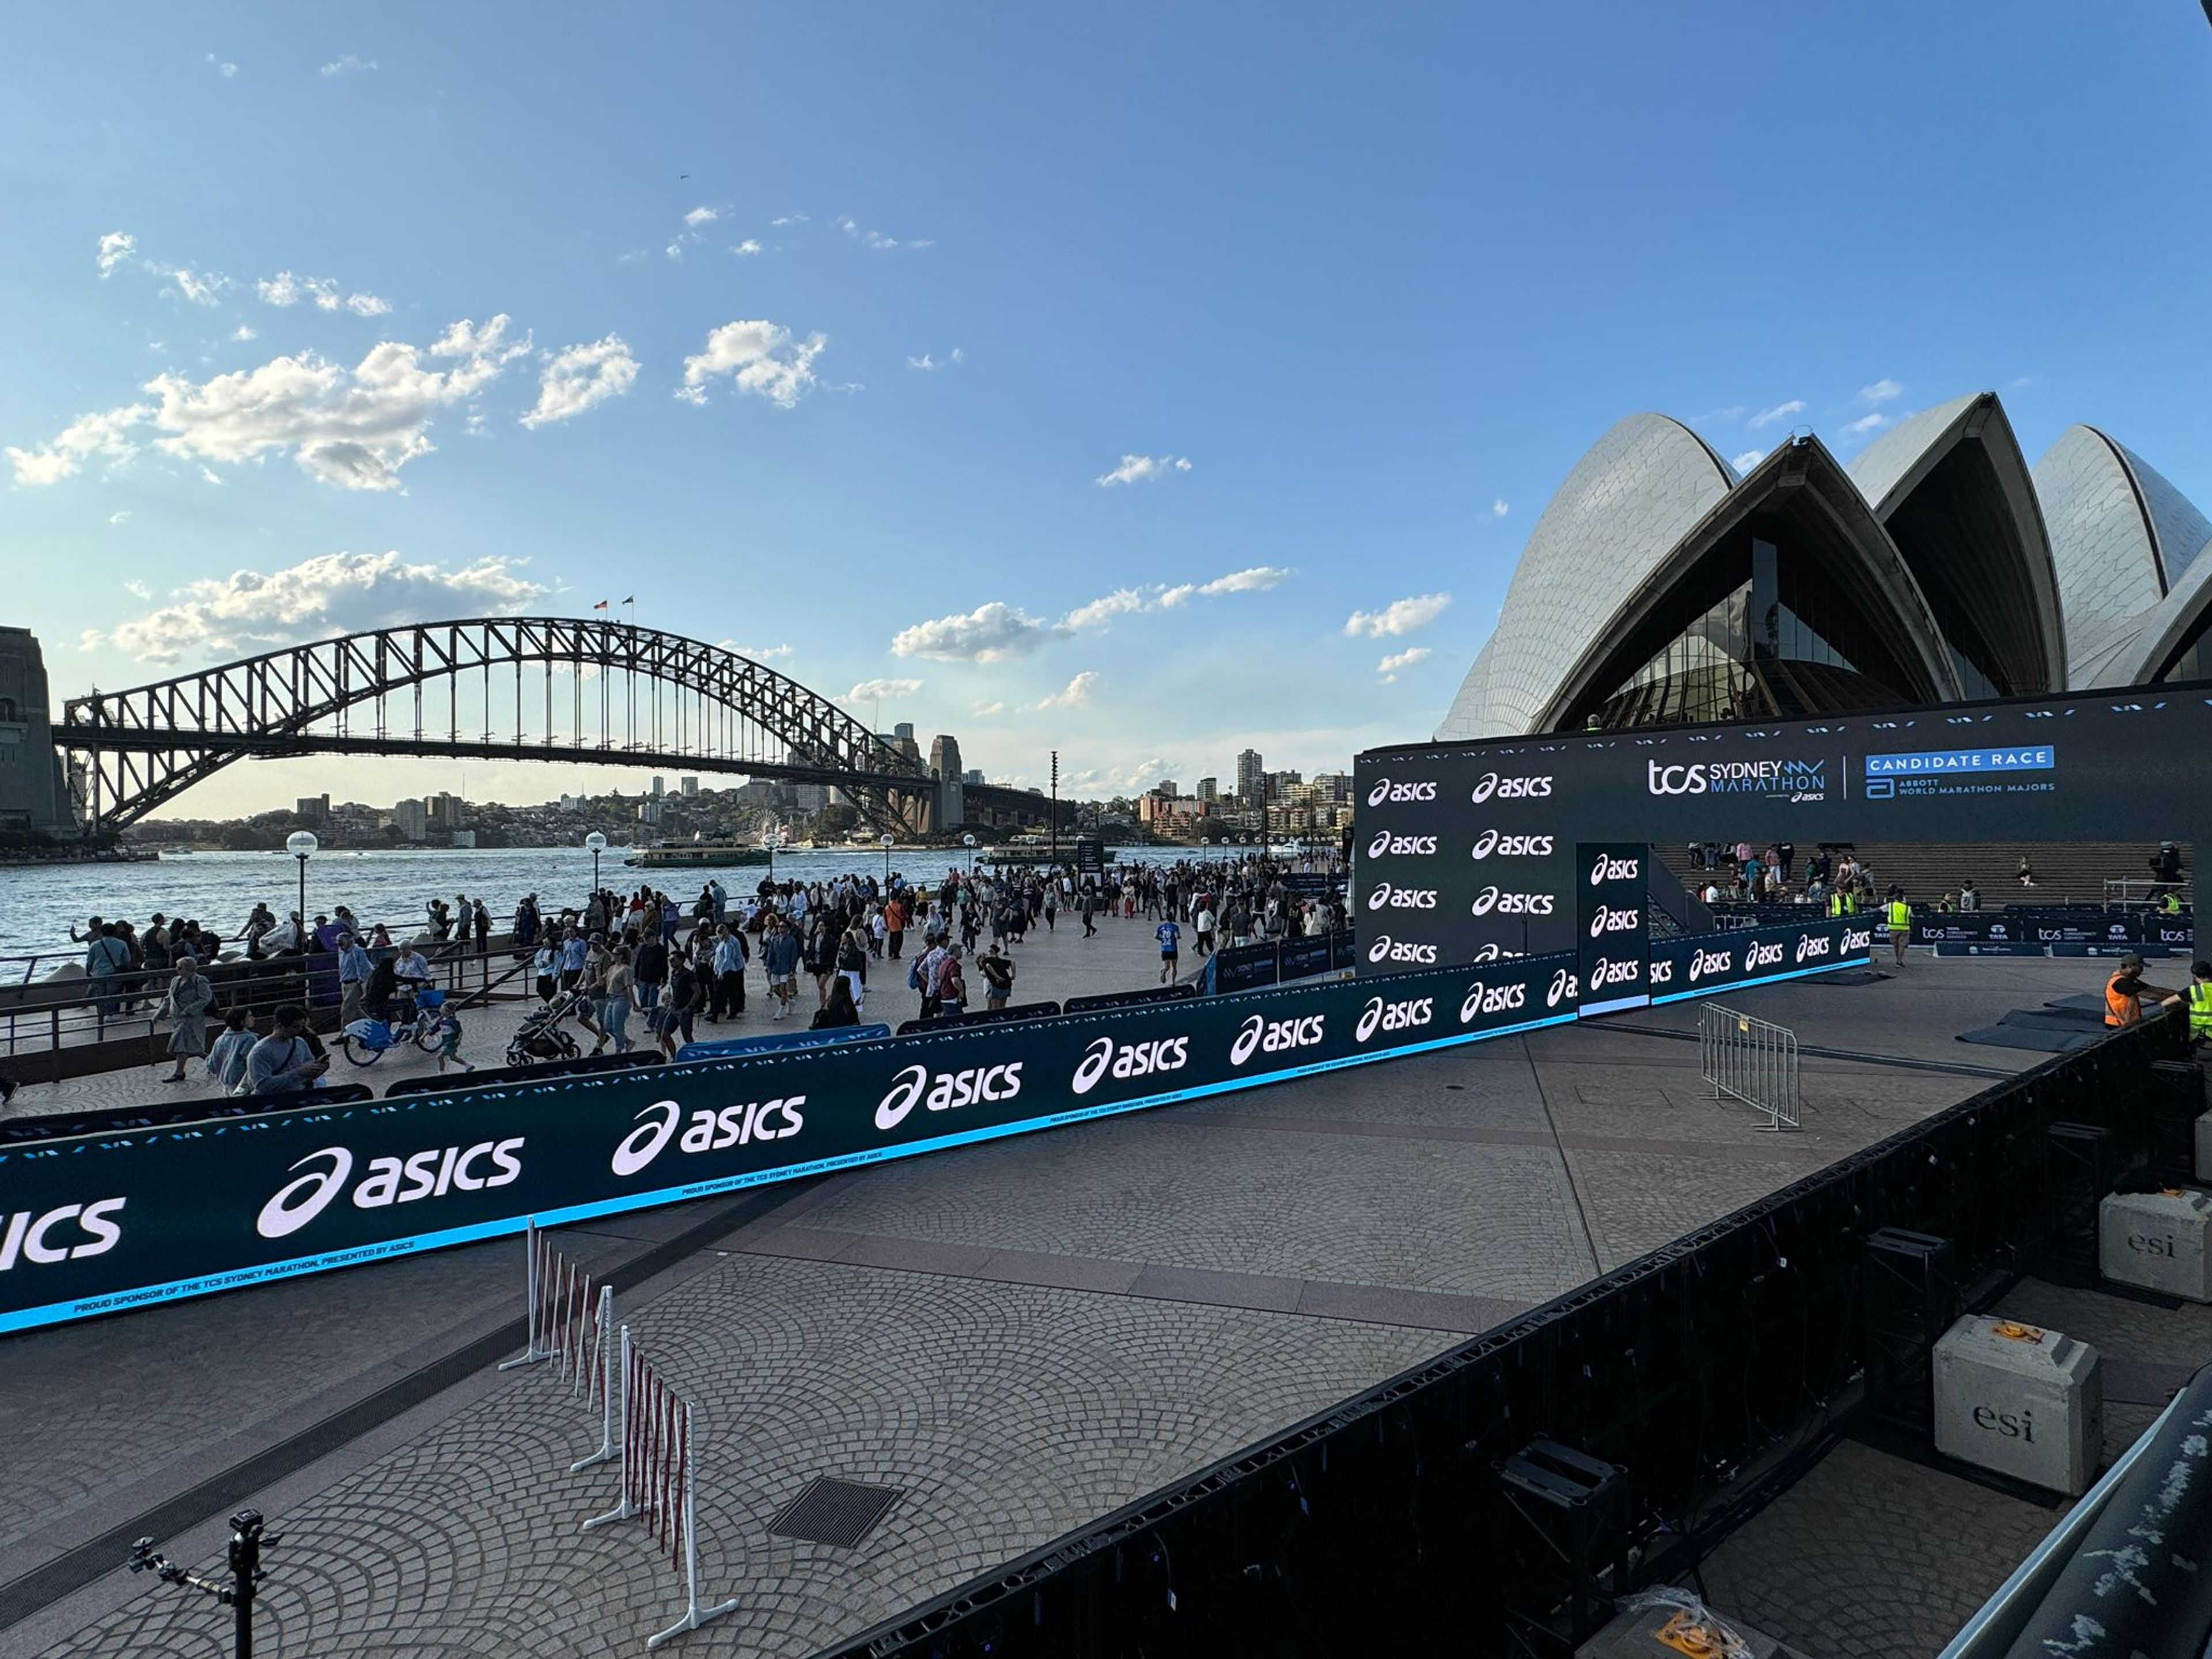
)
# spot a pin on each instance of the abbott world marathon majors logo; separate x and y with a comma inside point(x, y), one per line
point(942, 1092)
point(1379, 1015)
point(708, 1131)
point(1260, 1035)
point(69, 1233)
point(1511, 847)
point(1382, 948)
point(431, 1173)
point(1386, 845)
point(1387, 897)
point(1526, 787)
point(1385, 791)
point(1129, 1060)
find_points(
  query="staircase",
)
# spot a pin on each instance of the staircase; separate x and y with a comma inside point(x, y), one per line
point(2066, 872)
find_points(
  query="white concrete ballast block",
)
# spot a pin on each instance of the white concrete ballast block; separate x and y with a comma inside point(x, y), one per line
point(2156, 1240)
point(2020, 1401)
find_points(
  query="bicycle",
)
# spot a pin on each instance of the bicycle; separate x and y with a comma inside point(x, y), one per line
point(365, 1041)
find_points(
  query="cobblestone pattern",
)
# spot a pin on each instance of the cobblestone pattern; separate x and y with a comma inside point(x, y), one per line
point(1869, 1557)
point(1008, 1415)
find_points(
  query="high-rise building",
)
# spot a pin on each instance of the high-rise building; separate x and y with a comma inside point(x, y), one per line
point(1209, 790)
point(973, 775)
point(1251, 780)
point(903, 732)
point(1166, 786)
point(659, 786)
point(444, 810)
point(689, 786)
point(312, 809)
point(411, 819)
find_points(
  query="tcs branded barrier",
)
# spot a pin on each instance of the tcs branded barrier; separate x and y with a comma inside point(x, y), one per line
point(103, 1222)
point(1461, 847)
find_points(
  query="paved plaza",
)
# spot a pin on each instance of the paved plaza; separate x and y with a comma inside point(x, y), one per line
point(1019, 1336)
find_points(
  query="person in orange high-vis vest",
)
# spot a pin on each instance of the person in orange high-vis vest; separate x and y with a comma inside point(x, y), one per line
point(2125, 991)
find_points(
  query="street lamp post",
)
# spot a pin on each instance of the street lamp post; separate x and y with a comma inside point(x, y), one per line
point(597, 843)
point(302, 844)
point(771, 840)
point(890, 840)
point(1053, 812)
point(969, 841)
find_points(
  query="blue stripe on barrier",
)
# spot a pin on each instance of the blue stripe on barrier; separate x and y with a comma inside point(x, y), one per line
point(1764, 979)
point(359, 1255)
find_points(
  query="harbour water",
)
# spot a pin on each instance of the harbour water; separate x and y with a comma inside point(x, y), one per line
point(39, 904)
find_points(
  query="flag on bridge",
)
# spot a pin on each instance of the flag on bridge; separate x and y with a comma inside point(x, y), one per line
point(601, 605)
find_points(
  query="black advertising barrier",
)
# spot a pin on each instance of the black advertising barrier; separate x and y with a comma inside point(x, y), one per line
point(1464, 846)
point(1697, 965)
point(99, 1223)
point(1613, 934)
point(1712, 1370)
point(1242, 967)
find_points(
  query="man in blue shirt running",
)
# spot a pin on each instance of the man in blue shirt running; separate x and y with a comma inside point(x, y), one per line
point(1170, 938)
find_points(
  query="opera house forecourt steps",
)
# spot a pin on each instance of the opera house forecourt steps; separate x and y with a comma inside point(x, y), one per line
point(2066, 872)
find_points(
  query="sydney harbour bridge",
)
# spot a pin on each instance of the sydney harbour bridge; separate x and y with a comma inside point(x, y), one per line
point(509, 688)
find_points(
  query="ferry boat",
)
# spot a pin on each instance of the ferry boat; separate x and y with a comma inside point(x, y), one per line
point(698, 856)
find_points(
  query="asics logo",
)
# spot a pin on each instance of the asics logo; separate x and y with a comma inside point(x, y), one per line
point(431, 1173)
point(1380, 1016)
point(1606, 869)
point(1512, 847)
point(1604, 973)
point(1763, 955)
point(1482, 998)
point(1127, 1060)
point(1387, 897)
point(709, 1130)
point(1383, 948)
point(1565, 987)
point(1260, 1035)
point(1809, 946)
point(1705, 963)
point(1511, 904)
point(1384, 790)
point(1521, 789)
point(1609, 921)
point(1386, 845)
point(915, 1085)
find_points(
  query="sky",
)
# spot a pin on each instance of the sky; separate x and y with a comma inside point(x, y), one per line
point(1146, 382)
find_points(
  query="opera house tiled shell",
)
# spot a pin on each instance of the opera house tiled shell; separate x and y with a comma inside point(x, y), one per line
point(1659, 588)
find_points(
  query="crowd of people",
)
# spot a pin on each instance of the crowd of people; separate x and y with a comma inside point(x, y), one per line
point(643, 967)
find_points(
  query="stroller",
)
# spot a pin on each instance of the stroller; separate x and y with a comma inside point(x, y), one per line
point(540, 1037)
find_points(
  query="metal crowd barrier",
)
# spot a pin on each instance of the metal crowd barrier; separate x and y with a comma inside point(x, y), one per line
point(1752, 1060)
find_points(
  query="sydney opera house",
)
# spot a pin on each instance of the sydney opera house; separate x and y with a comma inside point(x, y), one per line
point(1659, 587)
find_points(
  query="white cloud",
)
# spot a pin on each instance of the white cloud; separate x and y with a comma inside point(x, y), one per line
point(1499, 509)
point(243, 331)
point(116, 248)
point(759, 357)
point(1865, 424)
point(229, 72)
point(208, 475)
point(577, 377)
point(879, 690)
point(874, 239)
point(756, 653)
point(1779, 412)
point(984, 710)
point(137, 589)
point(1252, 580)
point(1122, 602)
point(701, 215)
point(1748, 459)
point(287, 289)
point(106, 433)
point(929, 365)
point(747, 249)
point(122, 515)
point(354, 428)
point(1392, 666)
point(1882, 391)
point(348, 65)
point(331, 594)
point(1399, 616)
point(990, 633)
point(788, 219)
point(1076, 694)
point(1135, 469)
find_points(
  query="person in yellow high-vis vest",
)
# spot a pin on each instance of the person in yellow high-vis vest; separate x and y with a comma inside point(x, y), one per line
point(1899, 916)
point(2200, 1001)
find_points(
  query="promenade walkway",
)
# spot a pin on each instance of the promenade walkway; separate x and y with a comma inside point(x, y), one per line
point(1018, 1336)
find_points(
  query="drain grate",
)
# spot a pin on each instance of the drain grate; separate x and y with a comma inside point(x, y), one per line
point(838, 1512)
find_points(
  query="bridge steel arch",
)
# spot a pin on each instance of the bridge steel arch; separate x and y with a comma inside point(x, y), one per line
point(705, 708)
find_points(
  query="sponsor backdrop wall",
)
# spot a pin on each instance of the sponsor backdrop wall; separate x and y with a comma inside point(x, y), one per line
point(95, 1223)
point(1466, 852)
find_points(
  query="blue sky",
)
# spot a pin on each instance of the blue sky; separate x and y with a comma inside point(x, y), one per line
point(1310, 307)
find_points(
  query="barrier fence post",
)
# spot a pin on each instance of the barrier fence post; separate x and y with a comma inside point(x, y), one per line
point(658, 1474)
point(610, 1404)
point(532, 1249)
point(1753, 1059)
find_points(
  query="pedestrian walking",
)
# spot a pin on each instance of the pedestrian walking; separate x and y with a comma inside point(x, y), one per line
point(186, 1005)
